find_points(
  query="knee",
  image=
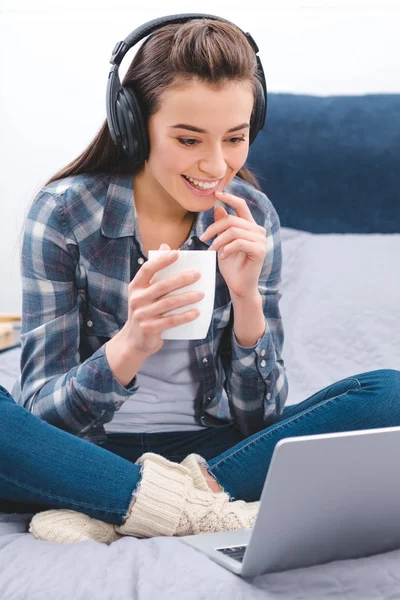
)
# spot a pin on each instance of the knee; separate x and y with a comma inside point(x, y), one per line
point(389, 377)
point(385, 381)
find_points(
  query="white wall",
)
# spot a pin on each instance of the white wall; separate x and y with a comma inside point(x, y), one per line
point(54, 67)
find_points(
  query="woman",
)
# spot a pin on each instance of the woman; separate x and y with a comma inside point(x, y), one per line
point(183, 432)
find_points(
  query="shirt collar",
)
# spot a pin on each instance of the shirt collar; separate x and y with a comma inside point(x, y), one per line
point(120, 217)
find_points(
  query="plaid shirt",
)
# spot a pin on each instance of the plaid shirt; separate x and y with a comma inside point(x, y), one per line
point(81, 249)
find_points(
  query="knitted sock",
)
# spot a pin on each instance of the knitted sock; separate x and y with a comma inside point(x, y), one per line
point(193, 462)
point(68, 526)
point(168, 504)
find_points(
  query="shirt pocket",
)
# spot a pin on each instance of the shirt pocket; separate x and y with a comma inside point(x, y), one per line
point(99, 323)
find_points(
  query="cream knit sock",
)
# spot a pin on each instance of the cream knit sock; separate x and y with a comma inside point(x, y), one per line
point(193, 462)
point(68, 526)
point(168, 504)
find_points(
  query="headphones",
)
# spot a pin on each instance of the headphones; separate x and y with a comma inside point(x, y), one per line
point(124, 116)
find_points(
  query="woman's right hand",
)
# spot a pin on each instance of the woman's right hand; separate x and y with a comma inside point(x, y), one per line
point(147, 304)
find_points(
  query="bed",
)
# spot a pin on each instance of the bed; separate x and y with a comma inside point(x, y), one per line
point(330, 166)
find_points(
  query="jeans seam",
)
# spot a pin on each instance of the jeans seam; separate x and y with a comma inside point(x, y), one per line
point(49, 495)
point(283, 425)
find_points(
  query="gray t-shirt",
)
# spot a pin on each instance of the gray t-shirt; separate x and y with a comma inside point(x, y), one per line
point(165, 401)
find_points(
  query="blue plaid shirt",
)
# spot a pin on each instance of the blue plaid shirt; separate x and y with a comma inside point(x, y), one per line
point(80, 251)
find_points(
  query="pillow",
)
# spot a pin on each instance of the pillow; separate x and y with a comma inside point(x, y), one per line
point(340, 307)
point(330, 164)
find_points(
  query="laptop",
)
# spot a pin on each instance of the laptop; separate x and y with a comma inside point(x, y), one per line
point(326, 497)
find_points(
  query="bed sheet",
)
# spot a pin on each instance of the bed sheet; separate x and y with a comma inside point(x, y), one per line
point(166, 568)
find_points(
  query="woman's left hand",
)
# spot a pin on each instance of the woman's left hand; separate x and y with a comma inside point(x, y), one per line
point(241, 246)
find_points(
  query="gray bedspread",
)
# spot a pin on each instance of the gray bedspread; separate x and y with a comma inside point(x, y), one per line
point(165, 568)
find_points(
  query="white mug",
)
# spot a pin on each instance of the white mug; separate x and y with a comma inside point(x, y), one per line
point(188, 260)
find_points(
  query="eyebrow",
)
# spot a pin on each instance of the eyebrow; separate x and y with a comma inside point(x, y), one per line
point(199, 130)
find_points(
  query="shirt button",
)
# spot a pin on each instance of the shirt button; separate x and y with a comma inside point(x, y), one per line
point(263, 363)
point(262, 352)
point(205, 361)
point(268, 396)
point(140, 260)
point(89, 323)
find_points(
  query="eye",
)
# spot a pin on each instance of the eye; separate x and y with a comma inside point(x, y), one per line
point(187, 141)
point(238, 140)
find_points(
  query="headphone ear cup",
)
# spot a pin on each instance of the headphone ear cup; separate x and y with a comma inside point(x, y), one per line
point(258, 117)
point(254, 122)
point(134, 135)
point(124, 120)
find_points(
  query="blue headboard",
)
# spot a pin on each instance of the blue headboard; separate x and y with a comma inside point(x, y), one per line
point(331, 164)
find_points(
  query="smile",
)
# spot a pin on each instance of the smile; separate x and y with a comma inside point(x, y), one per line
point(209, 185)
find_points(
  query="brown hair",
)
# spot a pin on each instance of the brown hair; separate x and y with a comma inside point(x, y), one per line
point(211, 51)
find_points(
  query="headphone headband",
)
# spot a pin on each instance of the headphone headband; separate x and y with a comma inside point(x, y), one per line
point(121, 48)
point(124, 117)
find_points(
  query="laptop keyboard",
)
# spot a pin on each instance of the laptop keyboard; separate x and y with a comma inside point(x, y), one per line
point(236, 552)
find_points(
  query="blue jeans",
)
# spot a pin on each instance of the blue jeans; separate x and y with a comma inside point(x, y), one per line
point(44, 467)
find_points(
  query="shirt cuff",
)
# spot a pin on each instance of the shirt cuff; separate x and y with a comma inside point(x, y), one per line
point(258, 359)
point(106, 380)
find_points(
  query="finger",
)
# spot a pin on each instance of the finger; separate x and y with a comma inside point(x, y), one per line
point(239, 204)
point(165, 322)
point(229, 221)
point(253, 251)
point(149, 268)
point(148, 296)
point(219, 213)
point(233, 233)
point(163, 305)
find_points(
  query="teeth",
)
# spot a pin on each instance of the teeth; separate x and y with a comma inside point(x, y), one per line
point(201, 184)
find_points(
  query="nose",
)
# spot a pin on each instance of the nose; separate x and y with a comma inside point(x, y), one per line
point(213, 165)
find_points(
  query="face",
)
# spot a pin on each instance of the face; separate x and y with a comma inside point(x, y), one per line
point(212, 155)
